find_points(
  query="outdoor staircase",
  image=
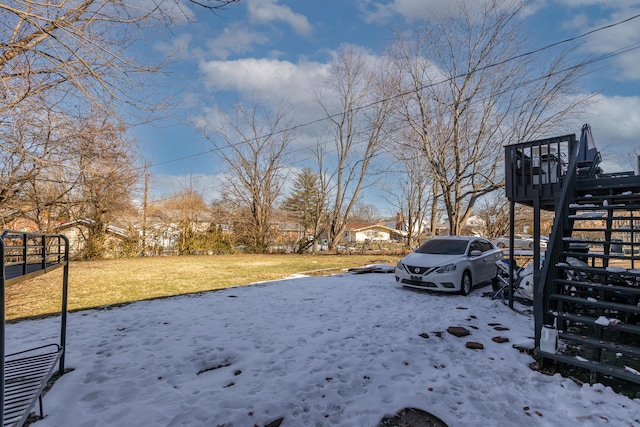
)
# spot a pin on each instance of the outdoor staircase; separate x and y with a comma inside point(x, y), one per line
point(587, 290)
point(594, 292)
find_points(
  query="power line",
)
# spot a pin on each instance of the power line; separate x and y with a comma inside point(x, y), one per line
point(191, 156)
point(617, 52)
point(415, 90)
point(408, 92)
point(426, 86)
point(627, 49)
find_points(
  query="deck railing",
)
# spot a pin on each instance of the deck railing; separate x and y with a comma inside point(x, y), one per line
point(24, 256)
point(535, 169)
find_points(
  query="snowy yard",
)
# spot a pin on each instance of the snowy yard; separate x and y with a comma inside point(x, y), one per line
point(343, 350)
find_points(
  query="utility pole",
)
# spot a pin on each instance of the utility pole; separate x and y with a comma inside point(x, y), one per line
point(144, 214)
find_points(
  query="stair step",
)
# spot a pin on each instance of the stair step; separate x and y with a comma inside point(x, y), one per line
point(614, 371)
point(602, 229)
point(574, 240)
point(606, 184)
point(587, 243)
point(609, 271)
point(592, 342)
point(590, 320)
point(601, 216)
point(620, 196)
point(628, 308)
point(596, 243)
point(630, 290)
point(610, 206)
point(601, 255)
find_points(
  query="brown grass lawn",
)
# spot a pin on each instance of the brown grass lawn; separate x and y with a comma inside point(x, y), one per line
point(100, 283)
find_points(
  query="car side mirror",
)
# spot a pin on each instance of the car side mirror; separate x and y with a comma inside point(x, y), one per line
point(475, 253)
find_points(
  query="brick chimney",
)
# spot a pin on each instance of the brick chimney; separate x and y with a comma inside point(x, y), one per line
point(399, 222)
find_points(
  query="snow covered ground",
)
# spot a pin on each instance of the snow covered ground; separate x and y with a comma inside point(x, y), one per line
point(343, 350)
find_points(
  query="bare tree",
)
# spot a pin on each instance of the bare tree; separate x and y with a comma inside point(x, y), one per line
point(187, 209)
point(78, 44)
point(413, 195)
point(465, 98)
point(28, 144)
point(61, 57)
point(356, 99)
point(365, 212)
point(494, 211)
point(101, 169)
point(633, 160)
point(253, 146)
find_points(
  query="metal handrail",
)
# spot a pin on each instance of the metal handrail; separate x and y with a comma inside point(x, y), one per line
point(36, 254)
point(2, 349)
point(554, 246)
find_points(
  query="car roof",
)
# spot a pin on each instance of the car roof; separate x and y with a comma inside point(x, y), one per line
point(466, 238)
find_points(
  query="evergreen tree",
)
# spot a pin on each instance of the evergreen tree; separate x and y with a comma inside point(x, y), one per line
point(307, 202)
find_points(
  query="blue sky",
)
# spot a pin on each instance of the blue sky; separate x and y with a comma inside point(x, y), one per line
point(274, 47)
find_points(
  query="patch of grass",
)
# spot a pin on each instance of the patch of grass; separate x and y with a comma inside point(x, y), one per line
point(99, 283)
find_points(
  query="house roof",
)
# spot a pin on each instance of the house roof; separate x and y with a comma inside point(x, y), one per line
point(355, 227)
point(87, 221)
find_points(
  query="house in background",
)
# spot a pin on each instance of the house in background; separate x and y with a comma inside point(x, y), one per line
point(376, 232)
point(288, 234)
point(77, 231)
point(474, 226)
point(401, 226)
point(22, 224)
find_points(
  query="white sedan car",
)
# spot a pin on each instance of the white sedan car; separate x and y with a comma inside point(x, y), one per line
point(520, 241)
point(449, 264)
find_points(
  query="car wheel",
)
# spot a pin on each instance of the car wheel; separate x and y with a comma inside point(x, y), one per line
point(466, 284)
point(531, 245)
point(500, 245)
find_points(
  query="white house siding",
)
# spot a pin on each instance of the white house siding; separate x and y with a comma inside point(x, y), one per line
point(371, 235)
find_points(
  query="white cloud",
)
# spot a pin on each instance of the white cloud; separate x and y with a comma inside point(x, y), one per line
point(621, 35)
point(266, 11)
point(629, 66)
point(601, 3)
point(177, 48)
point(609, 40)
point(274, 79)
point(235, 39)
point(578, 21)
point(582, 20)
point(619, 116)
point(418, 9)
point(177, 12)
point(615, 123)
point(276, 83)
point(409, 9)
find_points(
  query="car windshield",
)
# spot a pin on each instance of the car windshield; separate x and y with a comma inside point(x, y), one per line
point(443, 247)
